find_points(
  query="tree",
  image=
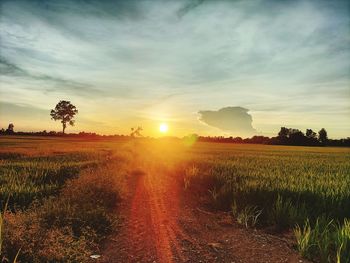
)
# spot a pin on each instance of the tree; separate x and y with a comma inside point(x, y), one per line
point(10, 128)
point(283, 133)
point(310, 133)
point(65, 112)
point(296, 137)
point(322, 136)
point(136, 131)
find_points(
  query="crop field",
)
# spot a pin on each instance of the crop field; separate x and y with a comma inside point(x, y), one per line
point(42, 215)
point(59, 195)
point(287, 187)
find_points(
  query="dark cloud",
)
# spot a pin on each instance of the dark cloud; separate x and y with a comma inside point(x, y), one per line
point(188, 7)
point(231, 119)
point(101, 8)
point(51, 84)
point(7, 68)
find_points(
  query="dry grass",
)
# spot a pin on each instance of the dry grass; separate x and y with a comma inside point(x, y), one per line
point(62, 198)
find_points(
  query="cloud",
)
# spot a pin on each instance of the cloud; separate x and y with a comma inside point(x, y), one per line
point(287, 56)
point(50, 83)
point(231, 119)
point(188, 7)
point(11, 110)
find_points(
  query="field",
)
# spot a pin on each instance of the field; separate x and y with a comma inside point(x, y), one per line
point(66, 200)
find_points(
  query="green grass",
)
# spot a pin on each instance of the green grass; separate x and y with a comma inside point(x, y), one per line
point(62, 191)
point(283, 186)
point(32, 178)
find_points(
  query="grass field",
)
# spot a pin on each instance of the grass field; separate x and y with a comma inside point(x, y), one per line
point(61, 193)
point(287, 187)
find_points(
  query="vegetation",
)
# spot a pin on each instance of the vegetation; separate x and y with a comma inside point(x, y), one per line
point(62, 192)
point(286, 187)
point(60, 203)
point(286, 136)
point(64, 112)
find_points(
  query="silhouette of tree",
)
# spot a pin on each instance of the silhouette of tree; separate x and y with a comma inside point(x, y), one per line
point(65, 112)
point(10, 129)
point(136, 132)
point(310, 134)
point(322, 136)
point(296, 137)
point(284, 132)
point(283, 135)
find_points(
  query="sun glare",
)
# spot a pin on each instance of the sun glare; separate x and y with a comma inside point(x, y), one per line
point(163, 127)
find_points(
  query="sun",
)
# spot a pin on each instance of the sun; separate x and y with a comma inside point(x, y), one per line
point(163, 127)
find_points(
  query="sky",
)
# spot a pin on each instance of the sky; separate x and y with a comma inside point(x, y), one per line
point(211, 67)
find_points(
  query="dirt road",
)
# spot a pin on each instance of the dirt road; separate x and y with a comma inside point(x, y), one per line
point(164, 223)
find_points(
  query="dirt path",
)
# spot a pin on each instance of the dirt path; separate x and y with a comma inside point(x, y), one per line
point(150, 232)
point(162, 223)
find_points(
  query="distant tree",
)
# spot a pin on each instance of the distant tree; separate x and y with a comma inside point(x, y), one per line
point(283, 135)
point(296, 137)
point(65, 112)
point(322, 136)
point(284, 132)
point(10, 129)
point(310, 133)
point(136, 131)
point(237, 140)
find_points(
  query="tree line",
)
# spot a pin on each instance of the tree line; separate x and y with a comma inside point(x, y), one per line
point(286, 136)
point(65, 112)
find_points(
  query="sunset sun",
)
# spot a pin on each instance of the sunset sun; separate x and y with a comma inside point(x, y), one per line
point(163, 127)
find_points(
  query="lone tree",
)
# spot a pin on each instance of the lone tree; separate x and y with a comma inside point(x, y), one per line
point(65, 112)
